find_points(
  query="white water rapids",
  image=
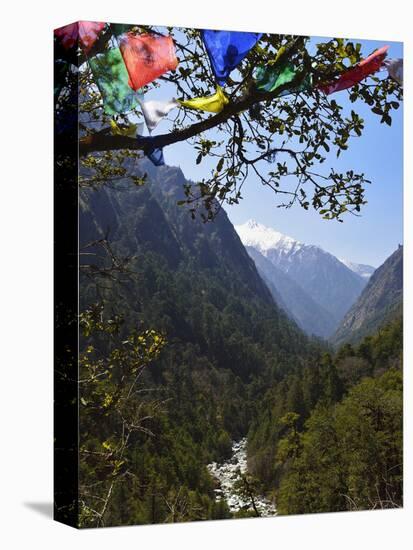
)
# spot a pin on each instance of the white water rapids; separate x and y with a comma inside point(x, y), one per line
point(228, 473)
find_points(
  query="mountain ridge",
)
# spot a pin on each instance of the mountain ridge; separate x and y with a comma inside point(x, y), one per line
point(146, 223)
point(267, 238)
point(379, 303)
point(289, 295)
point(364, 270)
point(326, 280)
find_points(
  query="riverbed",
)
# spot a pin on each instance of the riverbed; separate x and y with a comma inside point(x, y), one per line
point(228, 474)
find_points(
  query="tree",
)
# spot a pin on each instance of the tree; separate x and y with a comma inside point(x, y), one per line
point(113, 408)
point(282, 139)
point(350, 454)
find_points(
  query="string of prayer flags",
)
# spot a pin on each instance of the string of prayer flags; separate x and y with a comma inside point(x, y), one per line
point(212, 103)
point(356, 74)
point(111, 77)
point(86, 32)
point(154, 111)
point(156, 157)
point(131, 130)
point(226, 50)
point(147, 57)
point(395, 69)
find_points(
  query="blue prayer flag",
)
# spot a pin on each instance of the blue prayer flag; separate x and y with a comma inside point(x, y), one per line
point(156, 157)
point(226, 50)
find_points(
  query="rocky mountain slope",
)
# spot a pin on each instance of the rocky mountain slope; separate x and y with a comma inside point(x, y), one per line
point(310, 316)
point(198, 283)
point(379, 303)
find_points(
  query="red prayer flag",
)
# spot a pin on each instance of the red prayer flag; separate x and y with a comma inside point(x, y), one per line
point(86, 31)
point(68, 35)
point(147, 57)
point(362, 70)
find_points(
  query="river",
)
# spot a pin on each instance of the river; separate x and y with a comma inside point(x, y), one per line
point(229, 473)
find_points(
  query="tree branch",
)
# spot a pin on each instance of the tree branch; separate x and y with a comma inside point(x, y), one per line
point(102, 141)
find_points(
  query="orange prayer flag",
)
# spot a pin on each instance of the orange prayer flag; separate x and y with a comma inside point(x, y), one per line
point(147, 57)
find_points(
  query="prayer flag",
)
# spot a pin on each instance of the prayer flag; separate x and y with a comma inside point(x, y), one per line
point(268, 79)
point(156, 157)
point(68, 35)
point(123, 130)
point(147, 57)
point(395, 69)
point(155, 111)
point(356, 74)
point(226, 50)
point(86, 31)
point(212, 103)
point(111, 77)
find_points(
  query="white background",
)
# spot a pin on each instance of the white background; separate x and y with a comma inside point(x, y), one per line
point(26, 273)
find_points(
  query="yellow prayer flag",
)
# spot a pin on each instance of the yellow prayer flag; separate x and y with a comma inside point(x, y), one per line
point(212, 103)
point(128, 131)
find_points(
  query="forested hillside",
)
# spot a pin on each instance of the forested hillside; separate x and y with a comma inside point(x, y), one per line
point(331, 439)
point(220, 339)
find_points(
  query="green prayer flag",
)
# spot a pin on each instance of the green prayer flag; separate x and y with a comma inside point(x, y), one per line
point(268, 79)
point(111, 77)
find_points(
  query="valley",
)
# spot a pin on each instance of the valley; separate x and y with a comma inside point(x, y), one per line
point(243, 316)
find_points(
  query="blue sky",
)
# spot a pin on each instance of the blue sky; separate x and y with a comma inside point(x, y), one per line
point(370, 238)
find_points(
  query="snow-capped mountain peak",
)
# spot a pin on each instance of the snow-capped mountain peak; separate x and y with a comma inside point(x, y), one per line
point(327, 280)
point(264, 238)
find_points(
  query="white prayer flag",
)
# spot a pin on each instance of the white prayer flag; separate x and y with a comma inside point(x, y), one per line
point(154, 111)
point(395, 69)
